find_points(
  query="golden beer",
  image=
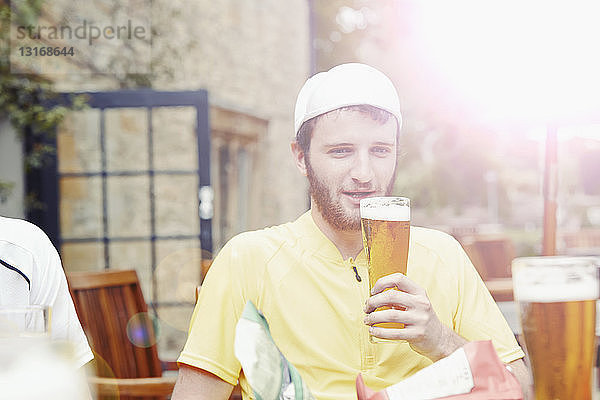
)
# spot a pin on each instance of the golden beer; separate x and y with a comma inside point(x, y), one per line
point(557, 305)
point(386, 234)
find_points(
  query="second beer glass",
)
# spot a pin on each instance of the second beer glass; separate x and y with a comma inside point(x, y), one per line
point(557, 304)
point(386, 234)
point(24, 321)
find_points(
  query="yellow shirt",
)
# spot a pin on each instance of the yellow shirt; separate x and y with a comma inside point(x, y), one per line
point(314, 305)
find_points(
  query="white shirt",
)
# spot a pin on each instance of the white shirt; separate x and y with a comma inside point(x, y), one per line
point(31, 273)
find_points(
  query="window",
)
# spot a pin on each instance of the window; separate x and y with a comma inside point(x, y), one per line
point(236, 167)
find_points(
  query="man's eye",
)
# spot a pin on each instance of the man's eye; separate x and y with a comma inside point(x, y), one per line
point(380, 150)
point(340, 151)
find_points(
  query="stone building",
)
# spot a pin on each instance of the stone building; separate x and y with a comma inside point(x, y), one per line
point(128, 176)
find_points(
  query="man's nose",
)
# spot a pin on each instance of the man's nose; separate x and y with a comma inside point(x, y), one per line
point(362, 170)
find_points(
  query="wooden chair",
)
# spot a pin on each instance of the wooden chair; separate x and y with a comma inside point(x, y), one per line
point(492, 257)
point(112, 311)
point(501, 289)
point(583, 242)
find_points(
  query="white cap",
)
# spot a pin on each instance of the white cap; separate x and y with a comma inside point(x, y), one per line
point(346, 85)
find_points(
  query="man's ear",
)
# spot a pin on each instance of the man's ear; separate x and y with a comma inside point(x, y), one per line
point(299, 157)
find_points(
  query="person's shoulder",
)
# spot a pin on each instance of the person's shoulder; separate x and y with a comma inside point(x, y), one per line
point(435, 248)
point(433, 239)
point(22, 233)
point(26, 247)
point(271, 237)
point(248, 253)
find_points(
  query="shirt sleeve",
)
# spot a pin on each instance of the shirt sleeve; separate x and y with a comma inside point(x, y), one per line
point(212, 329)
point(478, 317)
point(49, 287)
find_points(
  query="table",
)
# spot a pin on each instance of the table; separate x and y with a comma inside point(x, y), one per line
point(501, 289)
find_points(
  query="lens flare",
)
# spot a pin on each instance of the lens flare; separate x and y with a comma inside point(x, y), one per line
point(142, 330)
point(178, 274)
point(532, 60)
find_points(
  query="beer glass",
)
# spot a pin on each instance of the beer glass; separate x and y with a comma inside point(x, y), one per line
point(24, 320)
point(386, 232)
point(32, 366)
point(557, 307)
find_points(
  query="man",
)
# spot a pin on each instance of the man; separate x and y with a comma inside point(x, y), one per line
point(309, 277)
point(31, 273)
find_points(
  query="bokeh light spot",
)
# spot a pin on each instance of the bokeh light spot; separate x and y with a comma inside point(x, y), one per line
point(142, 330)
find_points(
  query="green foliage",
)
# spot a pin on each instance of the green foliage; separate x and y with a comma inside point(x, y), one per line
point(5, 190)
point(25, 98)
point(446, 167)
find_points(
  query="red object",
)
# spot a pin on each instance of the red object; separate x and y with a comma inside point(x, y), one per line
point(492, 381)
point(363, 392)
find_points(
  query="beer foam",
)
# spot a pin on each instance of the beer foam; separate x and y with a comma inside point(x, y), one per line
point(556, 285)
point(387, 213)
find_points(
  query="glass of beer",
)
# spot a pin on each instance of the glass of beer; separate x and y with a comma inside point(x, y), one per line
point(386, 232)
point(557, 306)
point(24, 321)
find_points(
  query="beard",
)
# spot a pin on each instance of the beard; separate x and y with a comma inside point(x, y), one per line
point(332, 211)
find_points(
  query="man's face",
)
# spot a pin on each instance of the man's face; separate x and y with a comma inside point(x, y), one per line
point(351, 157)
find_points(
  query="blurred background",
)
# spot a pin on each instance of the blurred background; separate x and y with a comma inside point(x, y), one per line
point(150, 150)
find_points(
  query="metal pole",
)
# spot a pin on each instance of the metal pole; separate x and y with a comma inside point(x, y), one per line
point(312, 35)
point(550, 193)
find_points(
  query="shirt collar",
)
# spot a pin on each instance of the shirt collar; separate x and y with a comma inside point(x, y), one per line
point(315, 241)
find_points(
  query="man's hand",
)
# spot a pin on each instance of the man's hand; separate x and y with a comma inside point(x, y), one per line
point(423, 330)
point(520, 371)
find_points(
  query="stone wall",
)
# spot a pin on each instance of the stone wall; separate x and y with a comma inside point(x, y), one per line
point(252, 57)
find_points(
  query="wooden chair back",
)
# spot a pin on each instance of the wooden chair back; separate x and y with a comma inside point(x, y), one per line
point(492, 256)
point(113, 313)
